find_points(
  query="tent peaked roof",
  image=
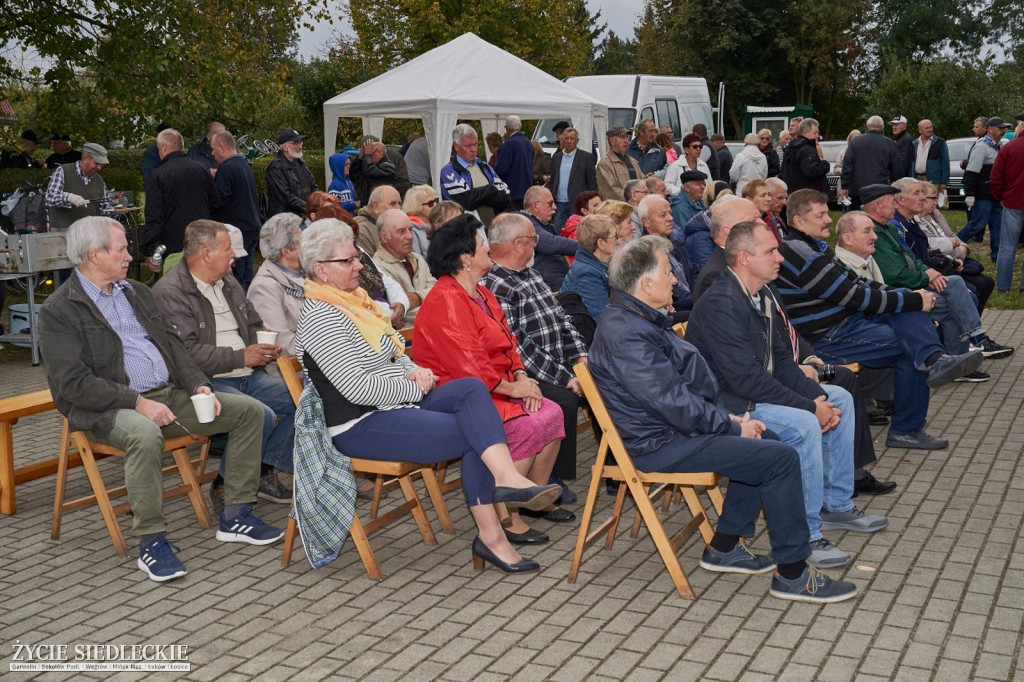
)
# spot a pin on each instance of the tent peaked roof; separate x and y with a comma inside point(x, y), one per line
point(461, 73)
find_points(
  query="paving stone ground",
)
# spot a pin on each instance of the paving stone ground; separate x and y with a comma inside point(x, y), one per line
point(942, 589)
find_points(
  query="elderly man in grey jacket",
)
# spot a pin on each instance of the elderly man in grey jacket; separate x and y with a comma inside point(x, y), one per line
point(119, 372)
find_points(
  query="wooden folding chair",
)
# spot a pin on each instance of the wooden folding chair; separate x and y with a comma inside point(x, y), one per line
point(192, 473)
point(639, 485)
point(401, 471)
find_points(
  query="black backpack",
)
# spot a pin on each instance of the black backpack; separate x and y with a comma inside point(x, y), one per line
point(29, 213)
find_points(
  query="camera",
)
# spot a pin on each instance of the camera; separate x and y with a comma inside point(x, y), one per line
point(826, 373)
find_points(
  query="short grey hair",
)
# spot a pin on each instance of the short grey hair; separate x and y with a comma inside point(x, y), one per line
point(370, 138)
point(904, 184)
point(634, 260)
point(644, 207)
point(806, 125)
point(641, 125)
point(505, 227)
point(513, 122)
point(171, 139)
point(463, 130)
point(848, 222)
point(742, 237)
point(570, 129)
point(389, 216)
point(280, 232)
point(875, 123)
point(533, 194)
point(375, 194)
point(91, 233)
point(200, 233)
point(776, 184)
point(627, 189)
point(319, 239)
point(224, 139)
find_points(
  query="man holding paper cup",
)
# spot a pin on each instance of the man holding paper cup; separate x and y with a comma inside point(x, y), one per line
point(225, 336)
point(119, 372)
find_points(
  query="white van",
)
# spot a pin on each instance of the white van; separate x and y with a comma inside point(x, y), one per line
point(676, 101)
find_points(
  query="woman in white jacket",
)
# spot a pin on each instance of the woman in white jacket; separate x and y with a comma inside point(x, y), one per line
point(690, 160)
point(749, 164)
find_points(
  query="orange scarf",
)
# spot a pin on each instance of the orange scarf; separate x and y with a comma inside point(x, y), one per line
point(361, 309)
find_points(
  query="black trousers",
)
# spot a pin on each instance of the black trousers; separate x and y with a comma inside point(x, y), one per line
point(863, 445)
point(565, 463)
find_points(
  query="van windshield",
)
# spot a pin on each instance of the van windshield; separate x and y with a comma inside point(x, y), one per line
point(545, 132)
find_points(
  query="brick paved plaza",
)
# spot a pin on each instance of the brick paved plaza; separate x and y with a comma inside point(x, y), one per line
point(942, 589)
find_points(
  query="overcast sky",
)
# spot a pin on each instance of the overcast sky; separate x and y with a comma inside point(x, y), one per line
point(620, 15)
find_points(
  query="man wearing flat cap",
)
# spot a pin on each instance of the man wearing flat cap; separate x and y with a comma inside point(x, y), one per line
point(77, 189)
point(982, 210)
point(617, 167)
point(289, 182)
point(690, 201)
point(23, 158)
point(62, 151)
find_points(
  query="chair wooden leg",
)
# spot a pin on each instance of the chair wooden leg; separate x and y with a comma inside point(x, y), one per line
point(588, 515)
point(100, 491)
point(715, 493)
point(362, 544)
point(378, 492)
point(62, 480)
point(195, 493)
point(289, 540)
point(635, 530)
point(620, 501)
point(698, 512)
point(417, 510)
point(437, 499)
point(664, 545)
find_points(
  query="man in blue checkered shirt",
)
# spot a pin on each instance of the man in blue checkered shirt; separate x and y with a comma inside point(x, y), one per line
point(548, 343)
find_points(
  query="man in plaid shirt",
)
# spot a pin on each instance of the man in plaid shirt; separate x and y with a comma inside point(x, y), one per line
point(548, 343)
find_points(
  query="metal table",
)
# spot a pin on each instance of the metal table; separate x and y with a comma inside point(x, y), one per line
point(29, 255)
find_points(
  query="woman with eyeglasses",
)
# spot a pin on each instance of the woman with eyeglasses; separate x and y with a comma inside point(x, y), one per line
point(689, 161)
point(417, 204)
point(461, 331)
point(378, 404)
point(764, 144)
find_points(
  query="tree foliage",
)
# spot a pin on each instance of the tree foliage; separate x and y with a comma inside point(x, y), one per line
point(113, 69)
point(556, 37)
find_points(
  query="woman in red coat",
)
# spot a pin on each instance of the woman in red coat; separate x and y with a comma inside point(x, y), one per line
point(461, 331)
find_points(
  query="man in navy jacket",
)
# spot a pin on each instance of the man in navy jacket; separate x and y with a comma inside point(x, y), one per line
point(515, 162)
point(238, 204)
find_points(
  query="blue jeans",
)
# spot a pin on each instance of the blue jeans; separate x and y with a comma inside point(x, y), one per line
point(762, 473)
point(455, 420)
point(1013, 219)
point(242, 269)
point(902, 341)
point(826, 459)
point(985, 212)
point(957, 313)
point(562, 212)
point(278, 436)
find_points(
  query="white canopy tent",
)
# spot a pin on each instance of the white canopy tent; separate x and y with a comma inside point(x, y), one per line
point(467, 78)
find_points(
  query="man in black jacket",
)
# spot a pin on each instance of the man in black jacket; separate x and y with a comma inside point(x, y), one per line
point(238, 203)
point(581, 175)
point(870, 159)
point(289, 182)
point(179, 191)
point(802, 168)
point(377, 165)
point(904, 144)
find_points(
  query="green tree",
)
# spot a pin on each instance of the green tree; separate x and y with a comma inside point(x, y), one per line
point(114, 68)
point(918, 31)
point(615, 55)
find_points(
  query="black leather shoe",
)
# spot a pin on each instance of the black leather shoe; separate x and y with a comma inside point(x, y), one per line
point(534, 497)
point(886, 406)
point(919, 440)
point(557, 515)
point(869, 485)
point(482, 553)
point(950, 367)
point(530, 537)
point(876, 417)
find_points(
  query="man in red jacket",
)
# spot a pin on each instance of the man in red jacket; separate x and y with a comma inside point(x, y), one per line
point(1007, 185)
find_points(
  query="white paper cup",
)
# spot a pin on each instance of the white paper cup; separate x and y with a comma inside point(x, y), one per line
point(203, 404)
point(266, 337)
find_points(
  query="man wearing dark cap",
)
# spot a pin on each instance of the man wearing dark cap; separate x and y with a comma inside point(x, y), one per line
point(62, 151)
point(690, 201)
point(982, 210)
point(1007, 186)
point(850, 319)
point(25, 157)
point(560, 128)
point(617, 167)
point(77, 189)
point(289, 182)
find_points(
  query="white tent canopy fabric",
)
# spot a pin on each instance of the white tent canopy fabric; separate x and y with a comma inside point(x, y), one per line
point(467, 78)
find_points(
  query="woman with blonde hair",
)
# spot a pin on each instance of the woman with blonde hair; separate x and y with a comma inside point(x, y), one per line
point(621, 214)
point(417, 204)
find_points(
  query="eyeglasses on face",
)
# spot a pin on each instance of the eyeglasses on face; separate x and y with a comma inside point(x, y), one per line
point(532, 237)
point(696, 146)
point(432, 202)
point(343, 261)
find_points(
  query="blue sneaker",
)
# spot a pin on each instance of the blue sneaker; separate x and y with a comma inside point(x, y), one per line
point(247, 528)
point(568, 496)
point(737, 560)
point(812, 586)
point(158, 561)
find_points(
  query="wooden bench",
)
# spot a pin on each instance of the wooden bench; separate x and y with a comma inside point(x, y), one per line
point(11, 410)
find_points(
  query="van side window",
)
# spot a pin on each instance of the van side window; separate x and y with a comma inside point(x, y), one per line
point(668, 114)
point(647, 114)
